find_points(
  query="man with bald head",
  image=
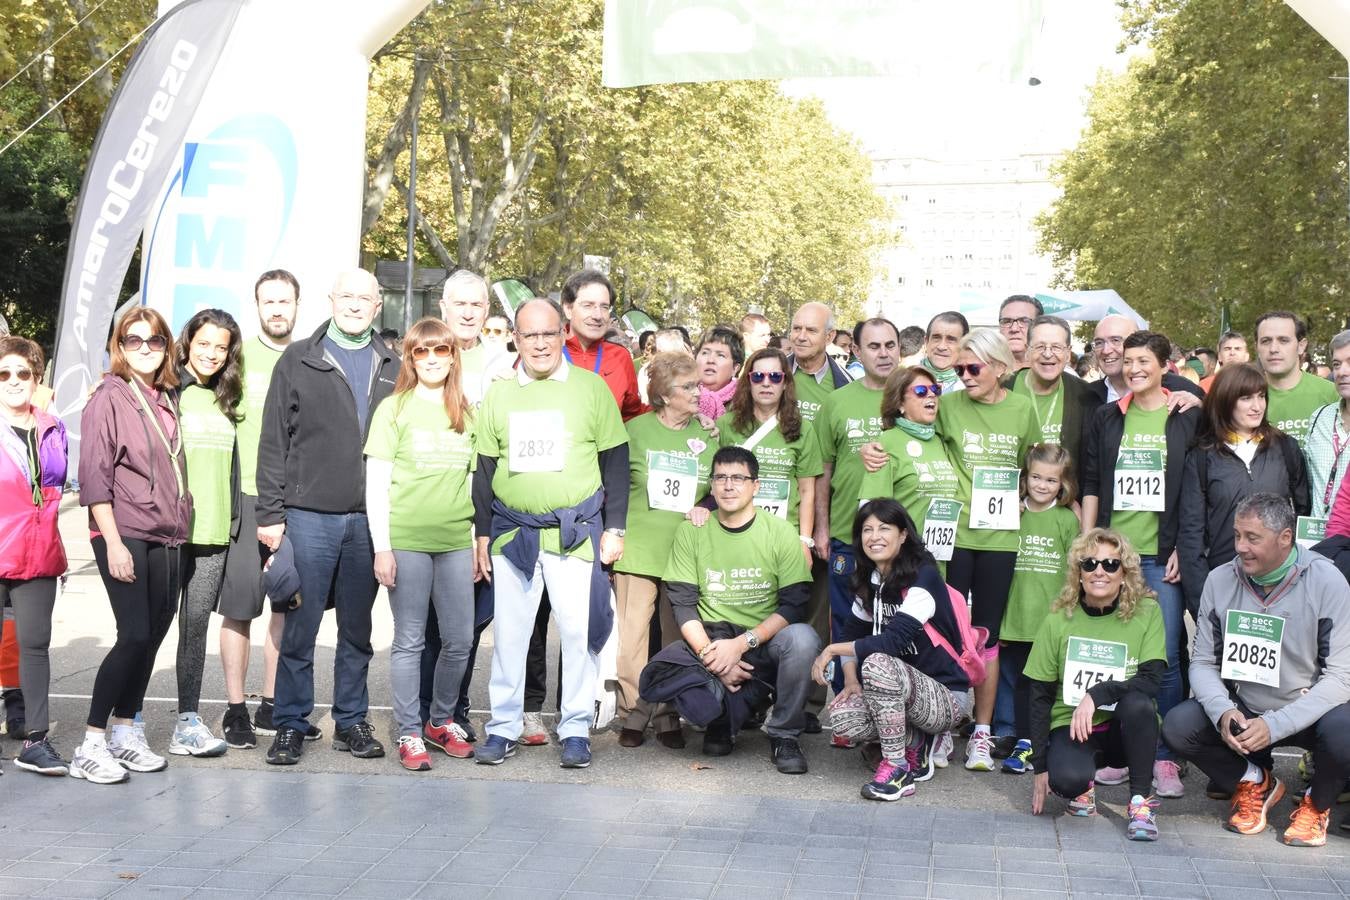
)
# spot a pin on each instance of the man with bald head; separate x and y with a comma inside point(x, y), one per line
point(311, 505)
point(1108, 342)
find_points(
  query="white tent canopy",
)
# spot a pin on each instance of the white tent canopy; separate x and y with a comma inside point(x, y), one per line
point(981, 307)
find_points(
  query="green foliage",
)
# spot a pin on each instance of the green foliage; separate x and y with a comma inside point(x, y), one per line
point(1213, 170)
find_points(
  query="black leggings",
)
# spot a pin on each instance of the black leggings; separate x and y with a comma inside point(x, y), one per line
point(144, 611)
point(986, 576)
point(1130, 739)
point(1012, 659)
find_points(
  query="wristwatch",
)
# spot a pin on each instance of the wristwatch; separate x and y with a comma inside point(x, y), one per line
point(751, 639)
point(809, 542)
point(617, 532)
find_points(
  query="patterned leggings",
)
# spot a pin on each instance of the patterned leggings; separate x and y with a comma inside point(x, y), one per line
point(898, 704)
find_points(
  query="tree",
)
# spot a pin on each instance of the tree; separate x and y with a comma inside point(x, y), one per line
point(1212, 171)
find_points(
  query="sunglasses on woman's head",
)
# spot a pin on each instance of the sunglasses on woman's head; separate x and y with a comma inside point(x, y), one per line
point(973, 368)
point(20, 374)
point(1090, 564)
point(774, 377)
point(441, 350)
point(155, 342)
point(926, 390)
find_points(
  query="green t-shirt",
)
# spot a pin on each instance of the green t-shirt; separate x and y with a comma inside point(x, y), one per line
point(915, 472)
point(993, 435)
point(259, 361)
point(1142, 634)
point(1291, 411)
point(682, 461)
point(546, 436)
point(430, 500)
point(1048, 409)
point(811, 394)
point(208, 439)
point(1144, 429)
point(851, 418)
point(1038, 573)
point(780, 464)
point(738, 573)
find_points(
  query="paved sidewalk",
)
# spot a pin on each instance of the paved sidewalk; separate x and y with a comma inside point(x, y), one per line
point(209, 833)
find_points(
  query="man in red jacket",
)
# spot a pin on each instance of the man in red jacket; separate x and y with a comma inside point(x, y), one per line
point(588, 303)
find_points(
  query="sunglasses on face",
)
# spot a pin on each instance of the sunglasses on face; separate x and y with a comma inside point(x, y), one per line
point(494, 332)
point(134, 342)
point(1090, 564)
point(926, 390)
point(973, 368)
point(758, 377)
point(18, 374)
point(442, 351)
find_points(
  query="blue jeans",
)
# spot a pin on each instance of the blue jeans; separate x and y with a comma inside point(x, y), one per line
point(333, 555)
point(1173, 607)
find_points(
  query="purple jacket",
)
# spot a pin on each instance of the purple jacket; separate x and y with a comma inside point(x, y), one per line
point(30, 542)
point(123, 462)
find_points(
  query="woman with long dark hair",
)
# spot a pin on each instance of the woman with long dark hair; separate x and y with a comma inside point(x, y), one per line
point(210, 369)
point(900, 688)
point(133, 479)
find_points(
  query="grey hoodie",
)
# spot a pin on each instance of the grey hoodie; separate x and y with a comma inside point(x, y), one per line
point(1315, 647)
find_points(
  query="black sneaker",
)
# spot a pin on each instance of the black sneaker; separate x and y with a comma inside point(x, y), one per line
point(717, 740)
point(262, 719)
point(812, 725)
point(359, 741)
point(787, 755)
point(469, 734)
point(921, 762)
point(287, 747)
point(312, 733)
point(1003, 746)
point(15, 714)
point(39, 756)
point(238, 730)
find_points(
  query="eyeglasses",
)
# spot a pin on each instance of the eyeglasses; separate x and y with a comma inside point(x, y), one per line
point(348, 298)
point(926, 390)
point(1024, 321)
point(774, 377)
point(735, 480)
point(532, 336)
point(1052, 349)
point(442, 351)
point(1099, 343)
point(495, 332)
point(973, 368)
point(689, 387)
point(156, 342)
point(18, 374)
point(1090, 564)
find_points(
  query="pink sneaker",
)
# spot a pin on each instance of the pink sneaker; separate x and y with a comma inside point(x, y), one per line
point(1112, 775)
point(1167, 780)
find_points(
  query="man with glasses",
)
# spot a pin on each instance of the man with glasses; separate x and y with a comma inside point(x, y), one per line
point(1058, 398)
point(551, 503)
point(1108, 343)
point(311, 493)
point(1015, 315)
point(739, 589)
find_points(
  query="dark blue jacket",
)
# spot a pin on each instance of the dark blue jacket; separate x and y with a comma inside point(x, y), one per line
point(902, 636)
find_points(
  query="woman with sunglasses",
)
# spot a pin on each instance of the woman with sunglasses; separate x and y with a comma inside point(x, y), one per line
point(669, 457)
point(986, 429)
point(918, 472)
point(719, 354)
point(1237, 453)
point(763, 418)
point(133, 479)
point(1134, 455)
point(210, 369)
point(32, 557)
point(419, 456)
point(1094, 672)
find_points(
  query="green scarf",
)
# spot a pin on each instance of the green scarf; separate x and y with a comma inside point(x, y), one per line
point(347, 341)
point(914, 429)
point(1280, 573)
point(945, 377)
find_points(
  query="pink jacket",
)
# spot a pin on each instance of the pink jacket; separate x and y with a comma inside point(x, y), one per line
point(30, 542)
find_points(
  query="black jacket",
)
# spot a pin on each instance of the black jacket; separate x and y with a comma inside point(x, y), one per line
point(1101, 446)
point(1079, 404)
point(1214, 481)
point(838, 374)
point(311, 452)
point(1171, 381)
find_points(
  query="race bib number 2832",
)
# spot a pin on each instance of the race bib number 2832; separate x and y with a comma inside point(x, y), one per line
point(535, 441)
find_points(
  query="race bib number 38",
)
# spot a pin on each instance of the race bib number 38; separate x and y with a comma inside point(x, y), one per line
point(1140, 480)
point(993, 499)
point(1251, 647)
point(939, 527)
point(536, 441)
point(1088, 663)
point(672, 481)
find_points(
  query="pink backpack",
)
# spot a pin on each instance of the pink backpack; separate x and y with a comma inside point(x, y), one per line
point(976, 652)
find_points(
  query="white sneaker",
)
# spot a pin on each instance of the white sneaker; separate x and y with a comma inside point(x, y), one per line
point(532, 732)
point(943, 748)
point(133, 753)
point(977, 752)
point(94, 763)
point(191, 737)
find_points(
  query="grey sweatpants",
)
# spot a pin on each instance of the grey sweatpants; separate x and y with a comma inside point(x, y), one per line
point(32, 602)
point(205, 572)
point(421, 579)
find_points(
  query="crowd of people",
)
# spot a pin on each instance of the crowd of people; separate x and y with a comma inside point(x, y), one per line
point(907, 536)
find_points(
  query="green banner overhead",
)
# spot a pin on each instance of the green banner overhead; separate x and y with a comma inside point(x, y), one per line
point(659, 41)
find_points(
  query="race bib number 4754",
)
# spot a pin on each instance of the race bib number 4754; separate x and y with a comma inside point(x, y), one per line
point(1088, 663)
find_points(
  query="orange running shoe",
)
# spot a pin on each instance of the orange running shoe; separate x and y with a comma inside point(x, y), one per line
point(1251, 803)
point(1307, 826)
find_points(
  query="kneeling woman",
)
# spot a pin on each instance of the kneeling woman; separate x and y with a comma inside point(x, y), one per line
point(1094, 672)
point(899, 686)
